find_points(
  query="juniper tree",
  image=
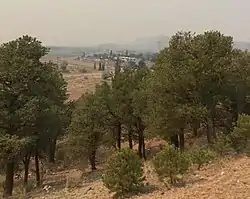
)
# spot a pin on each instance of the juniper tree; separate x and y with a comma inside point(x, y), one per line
point(29, 88)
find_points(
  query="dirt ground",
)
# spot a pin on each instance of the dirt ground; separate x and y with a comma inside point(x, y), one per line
point(227, 179)
point(78, 82)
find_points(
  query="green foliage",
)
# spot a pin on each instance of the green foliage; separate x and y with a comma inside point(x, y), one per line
point(222, 145)
point(170, 163)
point(89, 125)
point(202, 155)
point(237, 140)
point(240, 136)
point(11, 147)
point(29, 88)
point(30, 92)
point(127, 99)
point(124, 173)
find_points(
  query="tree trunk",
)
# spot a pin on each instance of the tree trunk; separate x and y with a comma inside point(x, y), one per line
point(235, 113)
point(26, 162)
point(140, 144)
point(38, 179)
point(141, 141)
point(114, 140)
point(92, 159)
point(209, 131)
point(130, 139)
point(241, 100)
point(181, 136)
point(52, 151)
point(213, 121)
point(195, 125)
point(174, 140)
point(143, 147)
point(9, 180)
point(118, 135)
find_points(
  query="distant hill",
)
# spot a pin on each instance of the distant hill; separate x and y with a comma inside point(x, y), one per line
point(148, 44)
point(144, 44)
point(65, 51)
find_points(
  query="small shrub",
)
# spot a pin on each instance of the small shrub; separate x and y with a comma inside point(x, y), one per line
point(171, 163)
point(241, 134)
point(247, 150)
point(201, 156)
point(237, 141)
point(222, 145)
point(124, 173)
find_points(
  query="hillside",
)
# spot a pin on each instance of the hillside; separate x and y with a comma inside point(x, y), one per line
point(144, 44)
point(225, 179)
point(59, 150)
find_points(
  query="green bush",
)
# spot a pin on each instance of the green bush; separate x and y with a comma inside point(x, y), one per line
point(222, 145)
point(171, 163)
point(201, 156)
point(124, 173)
point(237, 141)
point(241, 135)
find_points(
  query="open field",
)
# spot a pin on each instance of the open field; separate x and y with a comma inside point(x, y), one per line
point(79, 82)
point(72, 62)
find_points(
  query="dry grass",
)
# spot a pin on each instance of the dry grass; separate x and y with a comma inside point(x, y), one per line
point(79, 83)
point(226, 179)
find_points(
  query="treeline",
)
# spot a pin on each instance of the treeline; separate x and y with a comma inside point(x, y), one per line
point(112, 55)
point(199, 84)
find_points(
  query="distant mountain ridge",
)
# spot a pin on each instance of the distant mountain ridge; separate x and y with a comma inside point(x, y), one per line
point(144, 44)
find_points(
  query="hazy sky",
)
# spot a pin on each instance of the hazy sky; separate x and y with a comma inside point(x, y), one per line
point(88, 22)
